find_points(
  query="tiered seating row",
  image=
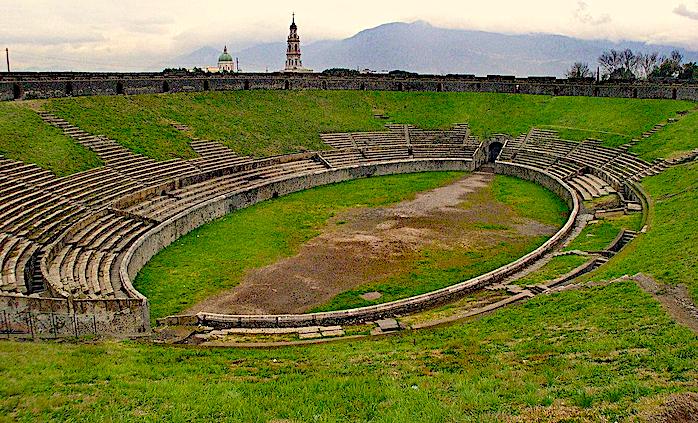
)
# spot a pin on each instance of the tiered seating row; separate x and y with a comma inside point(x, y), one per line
point(87, 265)
point(169, 204)
point(543, 149)
point(137, 167)
point(338, 140)
point(590, 186)
point(15, 254)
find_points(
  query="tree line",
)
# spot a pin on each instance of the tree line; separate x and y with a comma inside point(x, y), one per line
point(629, 65)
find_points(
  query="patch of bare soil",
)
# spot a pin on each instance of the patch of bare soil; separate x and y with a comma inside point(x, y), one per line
point(675, 408)
point(675, 299)
point(555, 413)
point(368, 244)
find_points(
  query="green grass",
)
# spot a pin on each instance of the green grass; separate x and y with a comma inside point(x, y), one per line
point(187, 272)
point(530, 200)
point(555, 268)
point(675, 138)
point(599, 352)
point(597, 236)
point(24, 136)
point(669, 250)
point(435, 268)
point(274, 122)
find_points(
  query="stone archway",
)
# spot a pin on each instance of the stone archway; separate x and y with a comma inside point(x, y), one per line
point(493, 151)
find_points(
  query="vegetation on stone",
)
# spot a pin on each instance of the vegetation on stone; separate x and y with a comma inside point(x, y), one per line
point(597, 235)
point(672, 140)
point(266, 123)
point(24, 136)
point(555, 268)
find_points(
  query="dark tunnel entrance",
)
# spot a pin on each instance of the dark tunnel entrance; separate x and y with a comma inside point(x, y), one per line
point(493, 151)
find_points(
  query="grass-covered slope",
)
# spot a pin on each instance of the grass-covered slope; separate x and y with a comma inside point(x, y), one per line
point(669, 250)
point(596, 354)
point(24, 136)
point(274, 122)
point(675, 138)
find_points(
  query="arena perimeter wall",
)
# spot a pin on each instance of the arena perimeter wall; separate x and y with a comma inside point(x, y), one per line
point(27, 86)
point(169, 231)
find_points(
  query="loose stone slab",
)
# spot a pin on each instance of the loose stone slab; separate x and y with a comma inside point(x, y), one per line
point(387, 325)
point(309, 335)
point(333, 333)
point(371, 296)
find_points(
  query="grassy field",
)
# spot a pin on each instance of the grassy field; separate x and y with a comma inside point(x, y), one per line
point(606, 352)
point(24, 136)
point(555, 268)
point(669, 251)
point(274, 122)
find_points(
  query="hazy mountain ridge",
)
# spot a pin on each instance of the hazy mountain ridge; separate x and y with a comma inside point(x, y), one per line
point(421, 47)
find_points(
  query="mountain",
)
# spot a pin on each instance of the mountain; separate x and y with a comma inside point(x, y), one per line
point(421, 47)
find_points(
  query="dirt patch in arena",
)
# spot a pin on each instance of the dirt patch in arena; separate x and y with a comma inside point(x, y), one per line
point(368, 244)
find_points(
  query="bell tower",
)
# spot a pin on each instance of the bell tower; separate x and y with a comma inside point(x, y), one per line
point(293, 51)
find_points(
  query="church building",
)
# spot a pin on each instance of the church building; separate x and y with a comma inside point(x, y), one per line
point(225, 61)
point(293, 51)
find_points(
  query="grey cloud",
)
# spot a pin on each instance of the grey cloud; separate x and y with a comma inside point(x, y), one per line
point(683, 10)
point(51, 40)
point(582, 15)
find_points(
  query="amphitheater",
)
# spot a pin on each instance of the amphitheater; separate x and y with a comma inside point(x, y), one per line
point(70, 247)
point(561, 286)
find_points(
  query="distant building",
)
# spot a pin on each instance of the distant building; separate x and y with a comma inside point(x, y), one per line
point(293, 51)
point(225, 61)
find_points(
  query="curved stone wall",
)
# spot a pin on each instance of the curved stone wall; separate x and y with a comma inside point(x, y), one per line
point(177, 226)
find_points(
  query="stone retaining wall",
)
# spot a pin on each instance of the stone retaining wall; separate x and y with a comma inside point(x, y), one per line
point(408, 305)
point(29, 85)
point(60, 317)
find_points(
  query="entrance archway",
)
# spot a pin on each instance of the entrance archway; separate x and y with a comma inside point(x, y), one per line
point(493, 151)
point(16, 91)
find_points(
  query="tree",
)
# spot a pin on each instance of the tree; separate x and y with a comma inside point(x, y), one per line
point(610, 61)
point(340, 72)
point(648, 63)
point(677, 57)
point(629, 61)
point(578, 70)
point(670, 67)
point(689, 72)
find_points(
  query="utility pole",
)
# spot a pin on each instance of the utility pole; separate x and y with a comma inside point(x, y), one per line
point(7, 56)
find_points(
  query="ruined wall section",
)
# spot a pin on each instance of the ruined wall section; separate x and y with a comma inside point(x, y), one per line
point(51, 85)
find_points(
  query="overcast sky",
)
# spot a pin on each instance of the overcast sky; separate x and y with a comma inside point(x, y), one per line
point(135, 34)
